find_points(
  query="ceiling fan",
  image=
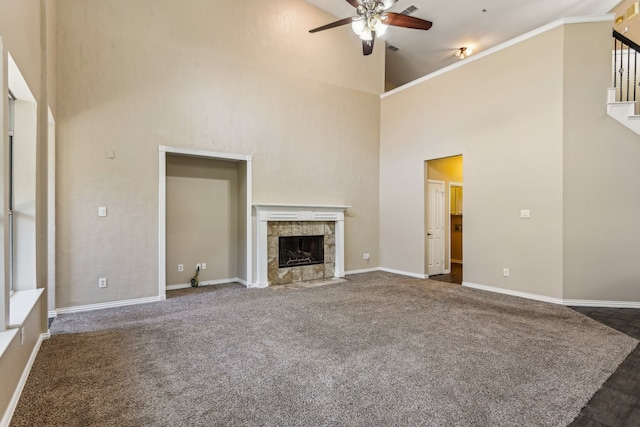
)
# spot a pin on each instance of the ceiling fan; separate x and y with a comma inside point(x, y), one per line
point(372, 21)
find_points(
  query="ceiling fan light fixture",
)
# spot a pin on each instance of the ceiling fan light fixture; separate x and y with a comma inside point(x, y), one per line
point(358, 26)
point(377, 25)
point(366, 35)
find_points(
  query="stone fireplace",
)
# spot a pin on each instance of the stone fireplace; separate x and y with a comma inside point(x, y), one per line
point(299, 243)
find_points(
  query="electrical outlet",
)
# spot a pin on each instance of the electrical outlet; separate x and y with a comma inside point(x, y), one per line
point(180, 267)
point(102, 282)
point(198, 266)
point(525, 214)
point(365, 256)
point(505, 272)
point(204, 266)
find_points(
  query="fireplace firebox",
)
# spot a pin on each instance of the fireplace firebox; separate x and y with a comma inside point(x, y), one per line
point(300, 250)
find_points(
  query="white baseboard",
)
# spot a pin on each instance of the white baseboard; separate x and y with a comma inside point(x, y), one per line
point(405, 273)
point(112, 304)
point(599, 303)
point(513, 293)
point(364, 270)
point(52, 313)
point(258, 285)
point(205, 283)
point(559, 301)
point(243, 282)
point(6, 419)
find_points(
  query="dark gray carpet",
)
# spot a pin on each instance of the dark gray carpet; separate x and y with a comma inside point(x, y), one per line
point(376, 350)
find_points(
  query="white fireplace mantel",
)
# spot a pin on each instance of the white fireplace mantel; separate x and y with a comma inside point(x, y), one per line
point(273, 212)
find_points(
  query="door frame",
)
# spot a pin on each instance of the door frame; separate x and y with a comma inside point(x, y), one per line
point(163, 150)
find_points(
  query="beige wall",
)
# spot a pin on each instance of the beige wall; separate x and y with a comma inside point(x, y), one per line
point(547, 145)
point(503, 113)
point(141, 74)
point(202, 218)
point(601, 199)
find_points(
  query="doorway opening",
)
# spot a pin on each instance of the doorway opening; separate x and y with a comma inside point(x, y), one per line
point(444, 219)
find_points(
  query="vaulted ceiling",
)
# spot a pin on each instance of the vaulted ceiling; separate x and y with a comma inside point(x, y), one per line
point(476, 24)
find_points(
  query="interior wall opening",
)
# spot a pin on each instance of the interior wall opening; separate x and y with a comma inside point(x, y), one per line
point(444, 219)
point(204, 218)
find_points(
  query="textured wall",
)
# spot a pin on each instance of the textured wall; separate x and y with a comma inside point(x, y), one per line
point(238, 77)
point(601, 197)
point(503, 113)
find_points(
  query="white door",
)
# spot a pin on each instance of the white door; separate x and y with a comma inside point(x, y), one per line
point(435, 227)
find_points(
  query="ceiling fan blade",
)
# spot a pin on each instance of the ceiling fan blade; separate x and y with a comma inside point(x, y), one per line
point(405, 21)
point(367, 45)
point(355, 3)
point(344, 21)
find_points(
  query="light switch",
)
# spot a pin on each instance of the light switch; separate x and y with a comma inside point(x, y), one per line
point(524, 213)
point(102, 211)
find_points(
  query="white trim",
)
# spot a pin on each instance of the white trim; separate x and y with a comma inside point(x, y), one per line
point(502, 46)
point(513, 293)
point(162, 207)
point(596, 303)
point(195, 152)
point(111, 304)
point(364, 270)
point(51, 210)
point(52, 314)
point(162, 222)
point(559, 301)
point(204, 283)
point(249, 225)
point(405, 273)
point(6, 419)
